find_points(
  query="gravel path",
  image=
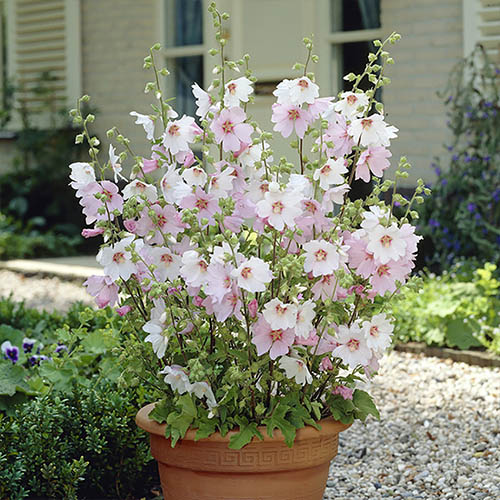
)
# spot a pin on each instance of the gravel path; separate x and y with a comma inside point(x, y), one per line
point(439, 433)
point(438, 437)
point(42, 293)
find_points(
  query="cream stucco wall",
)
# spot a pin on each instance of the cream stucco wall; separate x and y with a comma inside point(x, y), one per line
point(116, 36)
point(432, 42)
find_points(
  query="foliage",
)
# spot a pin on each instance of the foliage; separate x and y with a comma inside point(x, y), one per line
point(64, 351)
point(462, 217)
point(460, 308)
point(40, 216)
point(81, 445)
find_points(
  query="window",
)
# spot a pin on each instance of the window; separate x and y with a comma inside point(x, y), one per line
point(353, 26)
point(184, 51)
point(482, 25)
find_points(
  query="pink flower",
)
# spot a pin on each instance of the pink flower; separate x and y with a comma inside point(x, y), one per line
point(385, 276)
point(123, 310)
point(103, 289)
point(276, 342)
point(337, 133)
point(230, 130)
point(149, 165)
point(109, 198)
point(375, 159)
point(219, 282)
point(288, 117)
point(359, 257)
point(352, 348)
point(343, 391)
point(229, 306)
point(90, 233)
point(319, 106)
point(166, 221)
point(311, 340)
point(205, 203)
point(253, 306)
point(130, 225)
point(325, 364)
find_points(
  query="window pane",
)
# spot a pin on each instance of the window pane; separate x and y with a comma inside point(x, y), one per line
point(184, 22)
point(349, 15)
point(184, 72)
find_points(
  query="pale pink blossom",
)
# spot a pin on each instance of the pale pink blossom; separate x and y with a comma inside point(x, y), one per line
point(320, 106)
point(276, 342)
point(331, 173)
point(311, 340)
point(219, 282)
point(109, 200)
point(338, 134)
point(323, 257)
point(359, 257)
point(253, 307)
point(279, 207)
point(123, 310)
point(298, 91)
point(372, 131)
point(333, 195)
point(117, 259)
point(179, 134)
point(342, 390)
point(325, 364)
point(352, 348)
point(230, 305)
point(194, 269)
point(378, 332)
point(373, 159)
point(146, 122)
point(82, 174)
point(230, 130)
point(149, 166)
point(288, 117)
point(104, 289)
point(167, 264)
point(252, 275)
point(280, 315)
point(205, 203)
point(297, 369)
point(236, 91)
point(386, 243)
point(352, 105)
point(141, 190)
point(386, 275)
point(165, 221)
point(90, 233)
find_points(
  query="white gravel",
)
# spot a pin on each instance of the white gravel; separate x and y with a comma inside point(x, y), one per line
point(438, 437)
point(42, 293)
point(439, 433)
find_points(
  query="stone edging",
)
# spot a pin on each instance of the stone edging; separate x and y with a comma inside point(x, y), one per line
point(64, 271)
point(478, 358)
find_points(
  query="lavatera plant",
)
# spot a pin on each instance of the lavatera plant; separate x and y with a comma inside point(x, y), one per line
point(255, 288)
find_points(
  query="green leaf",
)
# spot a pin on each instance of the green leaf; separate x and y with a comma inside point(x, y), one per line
point(461, 334)
point(205, 429)
point(160, 412)
point(242, 438)
point(364, 405)
point(99, 342)
point(12, 380)
point(60, 377)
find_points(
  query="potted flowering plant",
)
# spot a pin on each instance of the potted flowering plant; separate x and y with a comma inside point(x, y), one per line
point(254, 287)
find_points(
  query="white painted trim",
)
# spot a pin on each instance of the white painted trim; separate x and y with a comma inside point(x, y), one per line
point(470, 24)
point(355, 36)
point(73, 51)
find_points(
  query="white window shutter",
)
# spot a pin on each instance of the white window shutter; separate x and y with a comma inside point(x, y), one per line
point(482, 25)
point(44, 36)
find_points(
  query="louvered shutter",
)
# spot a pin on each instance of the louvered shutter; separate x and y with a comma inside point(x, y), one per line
point(482, 25)
point(44, 37)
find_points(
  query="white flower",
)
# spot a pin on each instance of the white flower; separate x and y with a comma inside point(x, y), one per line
point(353, 349)
point(179, 134)
point(386, 243)
point(203, 390)
point(167, 263)
point(253, 153)
point(176, 378)
point(82, 174)
point(378, 332)
point(194, 176)
point(300, 183)
point(334, 195)
point(372, 131)
point(221, 184)
point(352, 104)
point(168, 183)
point(113, 161)
point(331, 173)
point(280, 207)
point(140, 188)
point(279, 315)
point(203, 100)
point(117, 261)
point(147, 123)
point(323, 257)
point(253, 274)
point(236, 91)
point(299, 91)
point(194, 268)
point(295, 368)
point(155, 327)
point(377, 215)
point(305, 315)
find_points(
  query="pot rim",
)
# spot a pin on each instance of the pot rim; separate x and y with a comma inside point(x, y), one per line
point(328, 426)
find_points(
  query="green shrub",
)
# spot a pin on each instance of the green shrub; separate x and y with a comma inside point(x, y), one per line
point(457, 309)
point(83, 445)
point(461, 218)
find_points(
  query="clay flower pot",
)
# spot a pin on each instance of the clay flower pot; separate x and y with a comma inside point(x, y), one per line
point(263, 470)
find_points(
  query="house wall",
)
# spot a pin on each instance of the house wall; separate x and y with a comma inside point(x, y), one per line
point(116, 36)
point(432, 42)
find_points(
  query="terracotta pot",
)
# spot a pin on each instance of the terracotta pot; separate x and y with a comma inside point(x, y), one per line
point(263, 470)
